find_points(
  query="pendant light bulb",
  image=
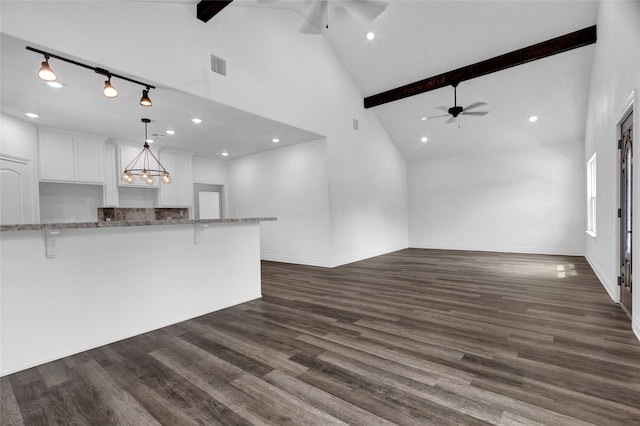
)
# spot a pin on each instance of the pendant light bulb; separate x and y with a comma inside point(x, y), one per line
point(46, 73)
point(166, 178)
point(109, 91)
point(145, 100)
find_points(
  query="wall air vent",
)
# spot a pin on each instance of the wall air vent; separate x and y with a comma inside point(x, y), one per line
point(355, 124)
point(218, 65)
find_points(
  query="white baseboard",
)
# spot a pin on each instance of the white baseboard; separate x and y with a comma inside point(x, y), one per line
point(362, 256)
point(635, 326)
point(324, 263)
point(500, 249)
point(611, 288)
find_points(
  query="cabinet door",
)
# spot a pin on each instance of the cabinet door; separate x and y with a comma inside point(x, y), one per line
point(169, 192)
point(126, 155)
point(179, 193)
point(89, 161)
point(55, 158)
point(111, 177)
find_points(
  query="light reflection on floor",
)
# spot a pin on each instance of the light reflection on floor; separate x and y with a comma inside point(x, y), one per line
point(568, 270)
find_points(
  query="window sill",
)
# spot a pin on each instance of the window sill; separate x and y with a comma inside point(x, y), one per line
point(591, 234)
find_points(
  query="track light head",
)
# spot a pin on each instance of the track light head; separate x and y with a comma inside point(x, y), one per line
point(145, 100)
point(109, 91)
point(46, 73)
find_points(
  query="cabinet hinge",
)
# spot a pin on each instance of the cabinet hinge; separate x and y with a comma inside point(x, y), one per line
point(619, 281)
point(619, 212)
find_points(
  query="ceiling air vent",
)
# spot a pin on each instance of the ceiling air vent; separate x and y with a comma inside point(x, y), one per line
point(218, 65)
point(355, 124)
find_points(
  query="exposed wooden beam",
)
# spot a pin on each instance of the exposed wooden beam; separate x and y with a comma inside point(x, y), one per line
point(207, 9)
point(580, 38)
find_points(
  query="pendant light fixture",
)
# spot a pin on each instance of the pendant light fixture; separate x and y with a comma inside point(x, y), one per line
point(142, 164)
point(46, 73)
point(109, 91)
point(144, 100)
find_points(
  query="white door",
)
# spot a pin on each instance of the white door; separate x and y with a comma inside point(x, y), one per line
point(16, 190)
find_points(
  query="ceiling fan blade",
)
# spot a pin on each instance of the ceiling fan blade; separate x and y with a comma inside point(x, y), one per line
point(314, 17)
point(442, 108)
point(477, 113)
point(365, 9)
point(438, 116)
point(451, 120)
point(475, 105)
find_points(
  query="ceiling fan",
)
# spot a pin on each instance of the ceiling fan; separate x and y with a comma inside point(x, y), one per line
point(455, 111)
point(316, 12)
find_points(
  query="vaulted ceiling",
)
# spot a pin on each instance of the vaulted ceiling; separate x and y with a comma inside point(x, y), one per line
point(415, 40)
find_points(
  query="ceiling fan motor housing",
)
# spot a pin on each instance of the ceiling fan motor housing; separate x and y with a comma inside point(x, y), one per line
point(455, 110)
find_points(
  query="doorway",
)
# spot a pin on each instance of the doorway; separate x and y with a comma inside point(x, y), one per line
point(626, 213)
point(208, 201)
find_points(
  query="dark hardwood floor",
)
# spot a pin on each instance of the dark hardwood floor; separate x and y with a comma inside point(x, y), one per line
point(415, 337)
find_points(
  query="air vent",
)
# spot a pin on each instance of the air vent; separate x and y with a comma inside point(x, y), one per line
point(218, 65)
point(355, 124)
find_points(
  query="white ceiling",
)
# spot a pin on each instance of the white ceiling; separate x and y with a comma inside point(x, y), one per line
point(414, 40)
point(80, 106)
point(419, 39)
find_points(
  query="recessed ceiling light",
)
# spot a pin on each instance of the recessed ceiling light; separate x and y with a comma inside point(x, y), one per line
point(423, 139)
point(150, 141)
point(196, 120)
point(370, 35)
point(275, 140)
point(170, 132)
point(533, 118)
point(225, 154)
point(424, 119)
point(55, 84)
point(31, 114)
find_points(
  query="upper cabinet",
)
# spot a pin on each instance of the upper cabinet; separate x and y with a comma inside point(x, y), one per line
point(68, 157)
point(179, 193)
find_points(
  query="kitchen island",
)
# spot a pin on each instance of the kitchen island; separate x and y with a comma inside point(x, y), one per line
point(69, 287)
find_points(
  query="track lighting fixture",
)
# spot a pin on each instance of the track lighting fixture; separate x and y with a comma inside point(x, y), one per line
point(47, 74)
point(145, 100)
point(109, 91)
point(141, 165)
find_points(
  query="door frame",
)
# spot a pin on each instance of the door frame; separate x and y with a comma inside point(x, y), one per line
point(207, 187)
point(627, 107)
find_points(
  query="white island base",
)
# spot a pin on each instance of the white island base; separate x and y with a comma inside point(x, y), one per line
point(109, 283)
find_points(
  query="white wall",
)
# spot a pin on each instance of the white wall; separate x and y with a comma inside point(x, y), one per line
point(290, 183)
point(273, 71)
point(615, 74)
point(527, 200)
point(19, 138)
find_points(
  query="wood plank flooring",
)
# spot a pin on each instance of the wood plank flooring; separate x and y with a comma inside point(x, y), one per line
point(415, 337)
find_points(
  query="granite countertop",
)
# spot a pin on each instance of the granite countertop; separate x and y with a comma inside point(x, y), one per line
point(112, 224)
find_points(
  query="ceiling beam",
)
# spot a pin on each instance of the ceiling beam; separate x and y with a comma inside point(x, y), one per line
point(207, 9)
point(580, 38)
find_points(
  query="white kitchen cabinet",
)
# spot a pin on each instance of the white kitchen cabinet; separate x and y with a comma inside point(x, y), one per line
point(179, 193)
point(126, 154)
point(70, 158)
point(111, 177)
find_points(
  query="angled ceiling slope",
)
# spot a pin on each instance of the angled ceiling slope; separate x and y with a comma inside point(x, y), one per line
point(564, 43)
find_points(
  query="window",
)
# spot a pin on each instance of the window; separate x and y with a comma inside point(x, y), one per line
point(591, 196)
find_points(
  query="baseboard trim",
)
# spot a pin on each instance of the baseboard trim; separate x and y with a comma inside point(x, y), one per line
point(500, 249)
point(324, 263)
point(611, 288)
point(362, 256)
point(635, 326)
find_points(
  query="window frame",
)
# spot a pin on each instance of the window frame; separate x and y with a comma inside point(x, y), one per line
point(592, 195)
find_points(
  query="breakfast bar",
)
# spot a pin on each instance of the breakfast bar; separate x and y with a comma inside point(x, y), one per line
point(69, 287)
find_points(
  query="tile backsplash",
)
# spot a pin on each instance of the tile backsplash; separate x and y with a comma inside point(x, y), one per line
point(117, 214)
